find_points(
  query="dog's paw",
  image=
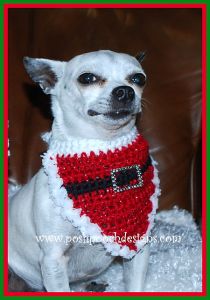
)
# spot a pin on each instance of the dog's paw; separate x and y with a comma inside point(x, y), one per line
point(96, 287)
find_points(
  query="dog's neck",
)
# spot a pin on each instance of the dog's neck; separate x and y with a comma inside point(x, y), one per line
point(76, 145)
point(77, 128)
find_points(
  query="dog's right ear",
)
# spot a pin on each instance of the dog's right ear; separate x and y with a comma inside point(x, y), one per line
point(45, 72)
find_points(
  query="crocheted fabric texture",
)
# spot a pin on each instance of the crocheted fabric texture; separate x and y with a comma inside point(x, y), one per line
point(113, 189)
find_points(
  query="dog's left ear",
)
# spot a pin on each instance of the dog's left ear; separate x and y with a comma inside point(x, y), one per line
point(140, 56)
point(45, 72)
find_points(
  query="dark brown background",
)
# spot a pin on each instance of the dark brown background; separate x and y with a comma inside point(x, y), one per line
point(171, 119)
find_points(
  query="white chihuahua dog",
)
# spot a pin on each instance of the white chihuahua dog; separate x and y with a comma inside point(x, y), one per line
point(90, 166)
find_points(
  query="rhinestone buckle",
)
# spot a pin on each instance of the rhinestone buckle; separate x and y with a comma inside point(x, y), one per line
point(116, 188)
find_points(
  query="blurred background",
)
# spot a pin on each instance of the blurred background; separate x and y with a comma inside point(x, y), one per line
point(171, 118)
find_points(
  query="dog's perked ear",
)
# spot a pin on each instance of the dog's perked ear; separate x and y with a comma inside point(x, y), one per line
point(140, 56)
point(45, 72)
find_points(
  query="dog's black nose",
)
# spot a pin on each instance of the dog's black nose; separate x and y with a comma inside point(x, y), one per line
point(123, 94)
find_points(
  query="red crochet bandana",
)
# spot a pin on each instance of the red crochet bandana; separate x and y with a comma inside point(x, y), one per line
point(113, 189)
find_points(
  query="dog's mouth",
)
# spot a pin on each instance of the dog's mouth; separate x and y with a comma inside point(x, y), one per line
point(114, 114)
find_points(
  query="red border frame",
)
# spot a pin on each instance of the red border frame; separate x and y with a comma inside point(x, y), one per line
point(201, 6)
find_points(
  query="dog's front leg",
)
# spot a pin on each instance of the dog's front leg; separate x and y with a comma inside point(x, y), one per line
point(54, 272)
point(135, 271)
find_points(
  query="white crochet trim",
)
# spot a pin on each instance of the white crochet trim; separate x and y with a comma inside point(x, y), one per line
point(83, 223)
point(73, 145)
point(154, 200)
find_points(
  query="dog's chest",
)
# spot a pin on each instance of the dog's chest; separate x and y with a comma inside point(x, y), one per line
point(113, 189)
point(109, 195)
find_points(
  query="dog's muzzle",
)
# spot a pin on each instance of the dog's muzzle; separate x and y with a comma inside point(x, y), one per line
point(121, 104)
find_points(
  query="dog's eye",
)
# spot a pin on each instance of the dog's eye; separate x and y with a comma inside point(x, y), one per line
point(138, 79)
point(88, 78)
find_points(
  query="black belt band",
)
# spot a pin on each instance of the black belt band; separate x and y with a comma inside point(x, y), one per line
point(123, 177)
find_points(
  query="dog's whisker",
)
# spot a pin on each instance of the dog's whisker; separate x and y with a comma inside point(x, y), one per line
point(144, 100)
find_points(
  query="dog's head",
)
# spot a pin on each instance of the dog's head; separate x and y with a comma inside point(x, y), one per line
point(99, 90)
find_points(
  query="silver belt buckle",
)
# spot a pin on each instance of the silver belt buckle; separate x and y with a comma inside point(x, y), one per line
point(118, 189)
